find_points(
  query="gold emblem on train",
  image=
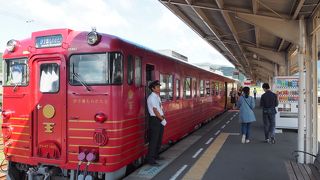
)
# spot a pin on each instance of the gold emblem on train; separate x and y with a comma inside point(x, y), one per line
point(48, 127)
point(48, 111)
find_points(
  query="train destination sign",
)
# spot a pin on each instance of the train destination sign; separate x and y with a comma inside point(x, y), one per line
point(49, 41)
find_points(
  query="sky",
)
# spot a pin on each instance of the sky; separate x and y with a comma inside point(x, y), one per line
point(145, 22)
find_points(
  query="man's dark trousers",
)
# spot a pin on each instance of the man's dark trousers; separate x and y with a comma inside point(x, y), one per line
point(269, 123)
point(155, 138)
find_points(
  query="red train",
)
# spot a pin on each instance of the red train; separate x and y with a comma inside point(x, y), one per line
point(74, 103)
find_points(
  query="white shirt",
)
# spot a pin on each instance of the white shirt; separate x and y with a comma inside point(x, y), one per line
point(154, 101)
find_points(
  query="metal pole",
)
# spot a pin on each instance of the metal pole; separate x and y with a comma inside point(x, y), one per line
point(315, 86)
point(301, 122)
point(314, 93)
point(308, 110)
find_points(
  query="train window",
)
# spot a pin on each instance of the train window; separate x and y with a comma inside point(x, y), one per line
point(16, 72)
point(187, 88)
point(177, 89)
point(201, 88)
point(207, 88)
point(49, 78)
point(217, 88)
point(130, 70)
point(213, 85)
point(194, 87)
point(166, 88)
point(96, 69)
point(138, 71)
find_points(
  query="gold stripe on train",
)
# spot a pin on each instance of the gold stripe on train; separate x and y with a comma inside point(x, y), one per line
point(107, 121)
point(25, 149)
point(16, 155)
point(18, 118)
point(14, 140)
point(108, 130)
point(79, 137)
point(23, 126)
point(19, 133)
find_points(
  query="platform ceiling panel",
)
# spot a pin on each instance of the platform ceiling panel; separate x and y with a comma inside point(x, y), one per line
point(278, 6)
point(268, 40)
point(229, 26)
point(245, 4)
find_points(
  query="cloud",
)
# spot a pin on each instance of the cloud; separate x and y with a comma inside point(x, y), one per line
point(76, 14)
point(146, 22)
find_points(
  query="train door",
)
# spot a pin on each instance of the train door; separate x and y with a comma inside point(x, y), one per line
point(49, 121)
point(149, 78)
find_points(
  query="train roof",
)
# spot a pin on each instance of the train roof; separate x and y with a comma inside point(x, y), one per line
point(170, 57)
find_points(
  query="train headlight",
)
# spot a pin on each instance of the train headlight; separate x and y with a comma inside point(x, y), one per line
point(11, 45)
point(100, 117)
point(6, 114)
point(93, 37)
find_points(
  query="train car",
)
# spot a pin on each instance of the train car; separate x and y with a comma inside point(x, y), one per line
point(74, 103)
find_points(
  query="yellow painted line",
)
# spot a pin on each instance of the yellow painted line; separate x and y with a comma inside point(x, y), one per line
point(17, 118)
point(20, 141)
point(78, 137)
point(200, 167)
point(82, 121)
point(80, 129)
point(18, 133)
point(23, 126)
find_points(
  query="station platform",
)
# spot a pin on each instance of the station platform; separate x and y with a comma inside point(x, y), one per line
point(215, 152)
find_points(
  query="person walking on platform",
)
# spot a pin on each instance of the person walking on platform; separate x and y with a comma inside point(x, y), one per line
point(156, 123)
point(269, 102)
point(246, 105)
point(255, 93)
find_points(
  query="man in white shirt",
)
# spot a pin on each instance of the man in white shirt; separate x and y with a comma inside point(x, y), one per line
point(156, 123)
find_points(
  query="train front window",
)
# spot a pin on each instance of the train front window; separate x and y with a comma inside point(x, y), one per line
point(16, 72)
point(49, 78)
point(96, 69)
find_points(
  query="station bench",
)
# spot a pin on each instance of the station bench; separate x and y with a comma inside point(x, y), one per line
point(298, 171)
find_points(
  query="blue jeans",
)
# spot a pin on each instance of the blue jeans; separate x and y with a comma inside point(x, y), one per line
point(269, 123)
point(245, 129)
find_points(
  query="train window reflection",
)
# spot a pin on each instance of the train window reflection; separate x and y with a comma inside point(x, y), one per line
point(96, 69)
point(130, 69)
point(177, 89)
point(16, 72)
point(138, 71)
point(187, 88)
point(49, 78)
point(166, 88)
point(201, 88)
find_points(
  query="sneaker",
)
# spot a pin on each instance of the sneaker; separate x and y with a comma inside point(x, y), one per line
point(243, 139)
point(247, 140)
point(267, 140)
point(273, 141)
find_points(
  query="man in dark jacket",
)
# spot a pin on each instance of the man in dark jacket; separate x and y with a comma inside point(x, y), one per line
point(269, 102)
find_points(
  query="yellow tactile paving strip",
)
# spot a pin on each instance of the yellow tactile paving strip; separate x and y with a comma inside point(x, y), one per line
point(200, 167)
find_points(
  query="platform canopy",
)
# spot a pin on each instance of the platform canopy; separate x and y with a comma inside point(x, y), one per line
point(256, 36)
